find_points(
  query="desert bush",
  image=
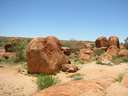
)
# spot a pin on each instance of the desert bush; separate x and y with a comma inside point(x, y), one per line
point(2, 43)
point(126, 43)
point(20, 51)
point(44, 81)
point(98, 52)
point(75, 59)
point(119, 59)
point(7, 60)
point(119, 78)
point(76, 76)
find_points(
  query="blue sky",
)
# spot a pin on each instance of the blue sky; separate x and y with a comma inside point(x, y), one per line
point(66, 19)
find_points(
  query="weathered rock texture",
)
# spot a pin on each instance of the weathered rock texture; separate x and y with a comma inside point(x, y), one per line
point(85, 54)
point(101, 42)
point(74, 88)
point(45, 55)
point(113, 40)
point(113, 50)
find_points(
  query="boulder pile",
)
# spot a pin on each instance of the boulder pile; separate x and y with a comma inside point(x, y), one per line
point(44, 55)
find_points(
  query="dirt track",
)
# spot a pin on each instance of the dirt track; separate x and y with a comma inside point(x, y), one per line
point(13, 83)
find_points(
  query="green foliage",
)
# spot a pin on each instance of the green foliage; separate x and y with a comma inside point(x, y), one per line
point(119, 59)
point(7, 60)
point(20, 51)
point(99, 62)
point(76, 76)
point(44, 81)
point(2, 43)
point(98, 52)
point(120, 77)
point(75, 59)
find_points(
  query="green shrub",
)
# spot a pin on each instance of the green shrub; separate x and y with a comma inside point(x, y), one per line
point(20, 51)
point(7, 60)
point(75, 59)
point(99, 62)
point(76, 76)
point(98, 52)
point(119, 59)
point(119, 78)
point(44, 81)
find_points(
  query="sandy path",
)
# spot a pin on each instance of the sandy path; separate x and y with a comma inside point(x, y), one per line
point(13, 83)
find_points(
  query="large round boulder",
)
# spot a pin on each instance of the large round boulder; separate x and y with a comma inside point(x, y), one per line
point(44, 55)
point(101, 42)
point(113, 40)
point(74, 88)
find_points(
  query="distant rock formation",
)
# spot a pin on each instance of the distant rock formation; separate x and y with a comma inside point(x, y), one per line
point(113, 40)
point(101, 42)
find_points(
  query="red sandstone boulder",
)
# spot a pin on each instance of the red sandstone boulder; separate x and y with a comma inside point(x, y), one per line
point(123, 52)
point(101, 42)
point(85, 54)
point(69, 68)
point(113, 40)
point(113, 50)
point(75, 88)
point(44, 55)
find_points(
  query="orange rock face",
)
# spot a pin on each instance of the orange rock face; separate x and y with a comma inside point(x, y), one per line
point(74, 88)
point(101, 42)
point(44, 55)
point(113, 50)
point(86, 54)
point(113, 40)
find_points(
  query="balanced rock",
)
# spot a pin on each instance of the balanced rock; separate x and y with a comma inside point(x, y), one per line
point(113, 40)
point(101, 42)
point(44, 55)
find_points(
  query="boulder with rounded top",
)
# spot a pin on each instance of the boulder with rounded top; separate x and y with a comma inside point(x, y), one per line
point(44, 55)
